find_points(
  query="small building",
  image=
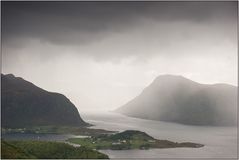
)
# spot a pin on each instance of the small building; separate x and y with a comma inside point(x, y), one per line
point(116, 143)
point(124, 141)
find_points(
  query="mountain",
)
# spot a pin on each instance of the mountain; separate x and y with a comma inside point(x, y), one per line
point(26, 105)
point(177, 99)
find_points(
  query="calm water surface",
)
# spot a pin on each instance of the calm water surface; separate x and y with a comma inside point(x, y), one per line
point(220, 142)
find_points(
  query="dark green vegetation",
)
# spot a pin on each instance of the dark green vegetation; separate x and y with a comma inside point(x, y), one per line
point(27, 108)
point(46, 150)
point(178, 99)
point(25, 105)
point(58, 130)
point(129, 139)
point(10, 151)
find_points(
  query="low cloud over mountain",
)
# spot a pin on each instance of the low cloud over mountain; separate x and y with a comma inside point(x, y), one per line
point(177, 99)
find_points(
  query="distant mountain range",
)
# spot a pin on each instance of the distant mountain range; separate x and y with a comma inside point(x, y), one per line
point(177, 99)
point(26, 105)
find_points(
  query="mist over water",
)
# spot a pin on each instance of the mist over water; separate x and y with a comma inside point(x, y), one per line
point(220, 142)
point(103, 54)
point(178, 99)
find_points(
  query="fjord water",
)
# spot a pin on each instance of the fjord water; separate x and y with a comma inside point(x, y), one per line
point(220, 142)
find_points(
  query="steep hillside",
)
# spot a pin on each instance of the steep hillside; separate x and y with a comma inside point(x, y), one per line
point(177, 99)
point(25, 105)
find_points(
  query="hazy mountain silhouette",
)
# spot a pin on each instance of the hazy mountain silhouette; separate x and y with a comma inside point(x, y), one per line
point(24, 104)
point(177, 99)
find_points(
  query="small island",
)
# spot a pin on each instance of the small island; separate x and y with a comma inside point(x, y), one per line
point(28, 109)
point(129, 139)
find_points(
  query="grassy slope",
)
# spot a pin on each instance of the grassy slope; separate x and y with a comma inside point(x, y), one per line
point(10, 151)
point(47, 150)
point(128, 140)
point(106, 143)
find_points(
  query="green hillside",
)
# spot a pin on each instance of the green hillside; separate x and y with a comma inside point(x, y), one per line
point(129, 139)
point(10, 151)
point(46, 150)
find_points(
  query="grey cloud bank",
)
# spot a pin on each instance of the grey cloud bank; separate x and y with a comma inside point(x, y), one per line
point(58, 22)
point(110, 51)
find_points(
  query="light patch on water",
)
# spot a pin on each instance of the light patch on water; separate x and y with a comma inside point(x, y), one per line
point(220, 142)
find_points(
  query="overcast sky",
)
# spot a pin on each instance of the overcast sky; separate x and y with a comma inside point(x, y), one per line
point(102, 54)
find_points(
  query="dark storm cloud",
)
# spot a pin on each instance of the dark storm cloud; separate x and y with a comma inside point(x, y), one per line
point(78, 23)
point(112, 50)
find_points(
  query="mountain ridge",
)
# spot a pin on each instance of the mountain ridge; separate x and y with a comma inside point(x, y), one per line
point(181, 100)
point(25, 104)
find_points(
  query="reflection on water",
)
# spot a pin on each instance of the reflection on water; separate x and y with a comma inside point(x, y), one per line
point(220, 142)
